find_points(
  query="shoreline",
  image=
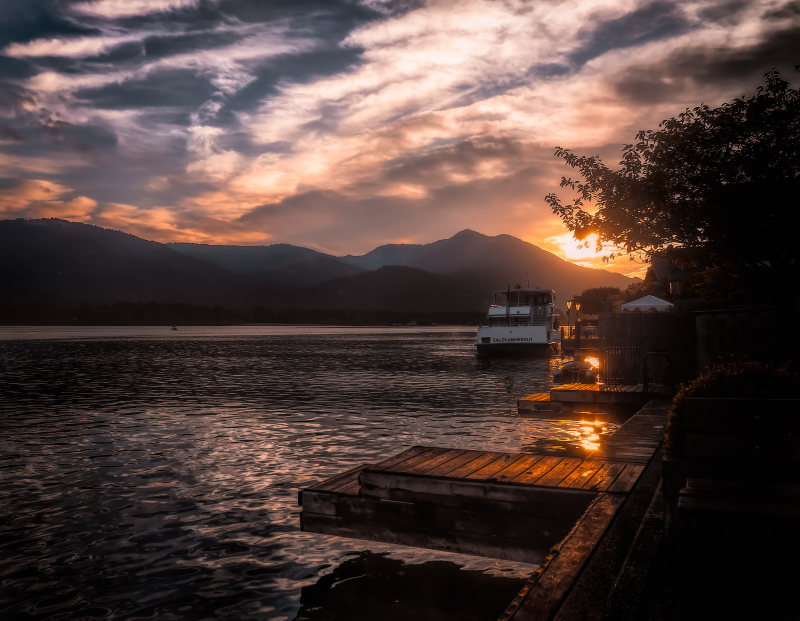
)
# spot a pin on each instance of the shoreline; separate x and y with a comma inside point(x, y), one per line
point(161, 332)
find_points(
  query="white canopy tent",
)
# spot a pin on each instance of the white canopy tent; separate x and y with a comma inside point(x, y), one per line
point(648, 303)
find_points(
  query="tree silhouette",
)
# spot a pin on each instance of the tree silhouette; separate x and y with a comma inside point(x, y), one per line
point(715, 189)
point(594, 300)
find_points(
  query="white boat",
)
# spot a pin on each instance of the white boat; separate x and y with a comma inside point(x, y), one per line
point(526, 321)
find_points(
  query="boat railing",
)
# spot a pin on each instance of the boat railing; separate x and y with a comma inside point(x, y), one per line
point(512, 320)
point(504, 311)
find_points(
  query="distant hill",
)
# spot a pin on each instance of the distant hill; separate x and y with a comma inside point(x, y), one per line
point(68, 263)
point(392, 287)
point(55, 263)
point(389, 254)
point(493, 263)
point(278, 263)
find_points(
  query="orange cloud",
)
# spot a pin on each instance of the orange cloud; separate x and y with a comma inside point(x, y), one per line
point(164, 224)
point(39, 198)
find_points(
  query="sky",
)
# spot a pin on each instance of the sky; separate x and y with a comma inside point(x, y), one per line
point(341, 125)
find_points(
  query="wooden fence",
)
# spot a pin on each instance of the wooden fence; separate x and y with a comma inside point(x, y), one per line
point(670, 348)
point(755, 333)
point(647, 348)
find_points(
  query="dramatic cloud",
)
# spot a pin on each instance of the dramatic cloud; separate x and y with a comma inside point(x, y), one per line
point(75, 47)
point(344, 125)
point(37, 198)
point(127, 8)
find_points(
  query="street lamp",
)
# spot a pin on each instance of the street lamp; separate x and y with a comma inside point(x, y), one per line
point(577, 326)
point(569, 317)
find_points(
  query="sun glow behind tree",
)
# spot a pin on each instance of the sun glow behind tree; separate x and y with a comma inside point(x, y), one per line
point(589, 253)
point(713, 189)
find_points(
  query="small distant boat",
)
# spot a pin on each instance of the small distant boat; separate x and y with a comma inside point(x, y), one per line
point(525, 321)
point(174, 328)
point(575, 372)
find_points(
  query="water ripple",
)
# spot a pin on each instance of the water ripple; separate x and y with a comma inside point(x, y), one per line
point(157, 478)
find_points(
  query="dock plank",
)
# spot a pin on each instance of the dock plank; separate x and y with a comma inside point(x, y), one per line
point(554, 477)
point(448, 466)
point(626, 479)
point(474, 465)
point(537, 470)
point(323, 499)
point(430, 452)
point(400, 457)
point(420, 453)
point(334, 481)
point(605, 477)
point(491, 470)
point(583, 473)
point(345, 483)
point(636, 440)
point(517, 467)
point(437, 460)
point(537, 396)
point(577, 387)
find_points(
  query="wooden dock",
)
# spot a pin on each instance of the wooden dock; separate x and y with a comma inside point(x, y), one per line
point(566, 399)
point(535, 508)
point(505, 505)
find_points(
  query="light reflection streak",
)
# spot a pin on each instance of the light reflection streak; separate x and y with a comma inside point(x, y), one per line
point(583, 434)
point(590, 434)
point(593, 360)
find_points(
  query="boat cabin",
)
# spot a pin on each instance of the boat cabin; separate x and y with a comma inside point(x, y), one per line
point(522, 307)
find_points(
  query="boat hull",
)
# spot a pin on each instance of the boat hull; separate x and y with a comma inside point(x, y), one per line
point(520, 340)
point(539, 349)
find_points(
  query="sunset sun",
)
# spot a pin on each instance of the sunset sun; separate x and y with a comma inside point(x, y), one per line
point(586, 254)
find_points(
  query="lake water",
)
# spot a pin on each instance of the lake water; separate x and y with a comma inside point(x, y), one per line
point(149, 473)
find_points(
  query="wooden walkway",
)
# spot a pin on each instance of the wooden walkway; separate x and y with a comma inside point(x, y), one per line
point(515, 506)
point(433, 468)
point(637, 439)
point(505, 505)
point(565, 399)
point(536, 492)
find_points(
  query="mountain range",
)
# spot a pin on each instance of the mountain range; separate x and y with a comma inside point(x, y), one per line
point(60, 263)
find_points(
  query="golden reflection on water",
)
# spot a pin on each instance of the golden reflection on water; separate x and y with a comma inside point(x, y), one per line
point(569, 437)
point(590, 434)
